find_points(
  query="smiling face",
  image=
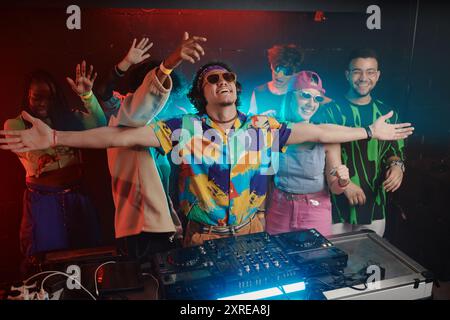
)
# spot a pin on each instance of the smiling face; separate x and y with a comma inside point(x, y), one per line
point(362, 76)
point(307, 102)
point(221, 93)
point(40, 99)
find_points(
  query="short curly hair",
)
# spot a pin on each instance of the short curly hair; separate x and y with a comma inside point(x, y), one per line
point(286, 55)
point(196, 95)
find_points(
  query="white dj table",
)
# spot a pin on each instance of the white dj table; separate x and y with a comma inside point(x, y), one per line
point(404, 279)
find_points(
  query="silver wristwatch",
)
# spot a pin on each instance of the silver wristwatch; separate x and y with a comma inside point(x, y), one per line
point(399, 163)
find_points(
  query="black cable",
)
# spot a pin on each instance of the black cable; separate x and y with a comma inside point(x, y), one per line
point(411, 59)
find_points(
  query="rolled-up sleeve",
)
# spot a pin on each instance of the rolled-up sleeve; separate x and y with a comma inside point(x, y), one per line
point(140, 107)
point(281, 132)
point(164, 131)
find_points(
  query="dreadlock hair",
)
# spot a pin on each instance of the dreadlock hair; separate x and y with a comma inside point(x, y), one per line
point(58, 109)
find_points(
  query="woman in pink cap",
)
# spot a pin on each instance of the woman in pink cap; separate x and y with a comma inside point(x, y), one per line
point(300, 198)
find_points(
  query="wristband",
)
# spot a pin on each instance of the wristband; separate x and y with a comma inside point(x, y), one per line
point(86, 95)
point(54, 138)
point(339, 187)
point(164, 69)
point(399, 163)
point(369, 132)
point(119, 72)
point(345, 185)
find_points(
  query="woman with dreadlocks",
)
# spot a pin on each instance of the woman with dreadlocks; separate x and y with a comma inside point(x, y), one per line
point(56, 213)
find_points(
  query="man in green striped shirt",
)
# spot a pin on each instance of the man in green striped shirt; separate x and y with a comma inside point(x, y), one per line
point(376, 167)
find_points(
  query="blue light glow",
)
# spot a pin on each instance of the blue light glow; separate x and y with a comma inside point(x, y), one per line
point(267, 293)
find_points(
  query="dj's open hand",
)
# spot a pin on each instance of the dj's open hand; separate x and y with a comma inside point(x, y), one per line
point(382, 130)
point(38, 137)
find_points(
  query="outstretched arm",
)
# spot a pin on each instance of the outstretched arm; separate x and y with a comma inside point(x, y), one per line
point(112, 101)
point(32, 156)
point(107, 137)
point(330, 133)
point(190, 49)
point(41, 136)
point(150, 97)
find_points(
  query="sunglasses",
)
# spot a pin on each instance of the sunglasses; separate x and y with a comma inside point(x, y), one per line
point(215, 77)
point(288, 71)
point(307, 96)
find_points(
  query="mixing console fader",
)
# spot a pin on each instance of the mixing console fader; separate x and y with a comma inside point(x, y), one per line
point(246, 263)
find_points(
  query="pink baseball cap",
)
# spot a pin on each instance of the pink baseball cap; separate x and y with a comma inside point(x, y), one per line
point(306, 80)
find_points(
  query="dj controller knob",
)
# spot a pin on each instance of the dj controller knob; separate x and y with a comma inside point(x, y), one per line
point(247, 268)
point(266, 265)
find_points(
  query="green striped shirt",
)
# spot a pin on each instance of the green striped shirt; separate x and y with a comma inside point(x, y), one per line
point(366, 160)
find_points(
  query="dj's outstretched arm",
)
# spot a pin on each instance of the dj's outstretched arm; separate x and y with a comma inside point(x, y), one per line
point(331, 133)
point(41, 136)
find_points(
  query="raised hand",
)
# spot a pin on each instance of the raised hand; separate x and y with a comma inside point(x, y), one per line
point(38, 137)
point(190, 49)
point(385, 131)
point(83, 81)
point(136, 54)
point(355, 194)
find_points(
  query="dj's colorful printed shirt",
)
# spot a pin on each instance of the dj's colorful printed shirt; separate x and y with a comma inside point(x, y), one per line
point(223, 175)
